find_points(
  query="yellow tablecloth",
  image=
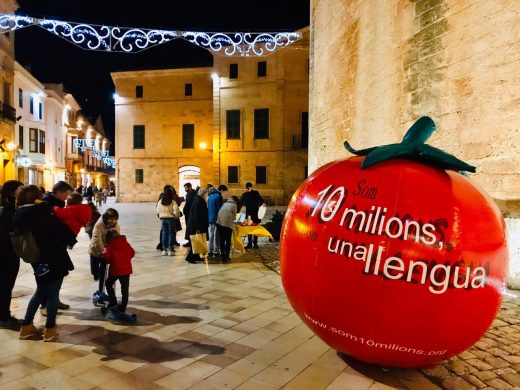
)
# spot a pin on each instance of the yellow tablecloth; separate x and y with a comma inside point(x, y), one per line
point(241, 231)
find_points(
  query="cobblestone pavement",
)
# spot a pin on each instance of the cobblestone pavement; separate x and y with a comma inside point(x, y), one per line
point(216, 326)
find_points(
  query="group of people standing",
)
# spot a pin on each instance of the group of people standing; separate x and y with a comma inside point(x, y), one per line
point(93, 193)
point(48, 223)
point(206, 210)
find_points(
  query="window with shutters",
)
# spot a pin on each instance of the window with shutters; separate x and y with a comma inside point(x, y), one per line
point(188, 136)
point(139, 136)
point(261, 123)
point(233, 124)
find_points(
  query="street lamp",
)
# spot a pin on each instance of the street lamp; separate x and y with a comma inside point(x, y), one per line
point(11, 146)
point(82, 171)
point(203, 145)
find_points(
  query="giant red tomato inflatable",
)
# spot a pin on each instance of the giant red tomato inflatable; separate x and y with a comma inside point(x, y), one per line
point(396, 262)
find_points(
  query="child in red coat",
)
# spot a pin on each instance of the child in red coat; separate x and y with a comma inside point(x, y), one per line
point(75, 215)
point(118, 254)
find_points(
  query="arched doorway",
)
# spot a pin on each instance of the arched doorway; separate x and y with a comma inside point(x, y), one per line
point(188, 174)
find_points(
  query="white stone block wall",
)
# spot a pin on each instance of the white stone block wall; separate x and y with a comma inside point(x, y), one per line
point(513, 232)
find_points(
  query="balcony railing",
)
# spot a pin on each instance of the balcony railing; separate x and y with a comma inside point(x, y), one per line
point(7, 113)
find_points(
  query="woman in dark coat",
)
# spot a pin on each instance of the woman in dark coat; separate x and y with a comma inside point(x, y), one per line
point(9, 260)
point(52, 238)
point(197, 221)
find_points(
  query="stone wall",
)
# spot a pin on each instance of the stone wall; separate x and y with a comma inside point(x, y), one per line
point(377, 66)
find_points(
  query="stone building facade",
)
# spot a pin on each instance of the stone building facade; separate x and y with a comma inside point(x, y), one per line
point(243, 120)
point(163, 130)
point(377, 66)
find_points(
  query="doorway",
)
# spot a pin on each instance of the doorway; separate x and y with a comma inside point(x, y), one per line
point(188, 174)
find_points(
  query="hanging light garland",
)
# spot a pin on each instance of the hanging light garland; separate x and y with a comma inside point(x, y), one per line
point(133, 40)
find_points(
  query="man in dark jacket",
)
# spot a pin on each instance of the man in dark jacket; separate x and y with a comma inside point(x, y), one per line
point(9, 260)
point(252, 200)
point(191, 194)
point(197, 222)
point(60, 192)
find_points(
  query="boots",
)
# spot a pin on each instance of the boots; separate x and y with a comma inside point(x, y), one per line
point(50, 334)
point(27, 331)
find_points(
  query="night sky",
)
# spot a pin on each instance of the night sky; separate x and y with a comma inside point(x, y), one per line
point(86, 74)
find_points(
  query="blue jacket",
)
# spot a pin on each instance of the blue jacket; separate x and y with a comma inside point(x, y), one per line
point(214, 204)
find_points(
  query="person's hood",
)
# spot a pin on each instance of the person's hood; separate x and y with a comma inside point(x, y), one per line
point(231, 200)
point(213, 191)
point(52, 200)
point(118, 243)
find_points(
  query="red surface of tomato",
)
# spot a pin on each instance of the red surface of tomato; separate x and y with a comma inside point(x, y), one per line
point(399, 264)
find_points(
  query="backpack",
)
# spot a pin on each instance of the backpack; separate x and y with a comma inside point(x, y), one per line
point(24, 245)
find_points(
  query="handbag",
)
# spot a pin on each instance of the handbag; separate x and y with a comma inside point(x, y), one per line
point(199, 243)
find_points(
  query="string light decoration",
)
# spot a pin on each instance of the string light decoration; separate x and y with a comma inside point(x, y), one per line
point(134, 40)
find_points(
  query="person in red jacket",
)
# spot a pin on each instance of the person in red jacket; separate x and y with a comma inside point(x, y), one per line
point(118, 254)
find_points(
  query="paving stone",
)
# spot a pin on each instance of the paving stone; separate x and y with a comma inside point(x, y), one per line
point(474, 381)
point(512, 379)
point(457, 383)
point(496, 362)
point(485, 375)
point(499, 384)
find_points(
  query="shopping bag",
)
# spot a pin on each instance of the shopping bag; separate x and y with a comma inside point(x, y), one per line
point(199, 243)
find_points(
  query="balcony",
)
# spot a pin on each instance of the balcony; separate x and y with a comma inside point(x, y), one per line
point(7, 113)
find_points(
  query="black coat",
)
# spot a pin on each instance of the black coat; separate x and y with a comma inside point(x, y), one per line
point(252, 200)
point(7, 254)
point(190, 198)
point(52, 237)
point(51, 201)
point(197, 217)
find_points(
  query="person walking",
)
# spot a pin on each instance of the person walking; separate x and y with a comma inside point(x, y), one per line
point(10, 260)
point(168, 211)
point(225, 226)
point(214, 204)
point(105, 195)
point(252, 200)
point(197, 222)
point(52, 238)
point(190, 198)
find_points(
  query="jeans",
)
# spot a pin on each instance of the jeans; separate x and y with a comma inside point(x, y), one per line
point(7, 279)
point(125, 284)
point(98, 267)
point(168, 233)
point(213, 240)
point(52, 291)
point(225, 234)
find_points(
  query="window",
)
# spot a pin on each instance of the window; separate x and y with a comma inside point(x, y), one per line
point(261, 175)
point(40, 110)
point(305, 130)
point(261, 123)
point(138, 91)
point(31, 104)
point(262, 69)
point(42, 142)
point(187, 89)
point(139, 176)
point(188, 136)
point(233, 71)
point(233, 124)
point(20, 136)
point(33, 140)
point(20, 97)
point(139, 137)
point(232, 174)
point(73, 147)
